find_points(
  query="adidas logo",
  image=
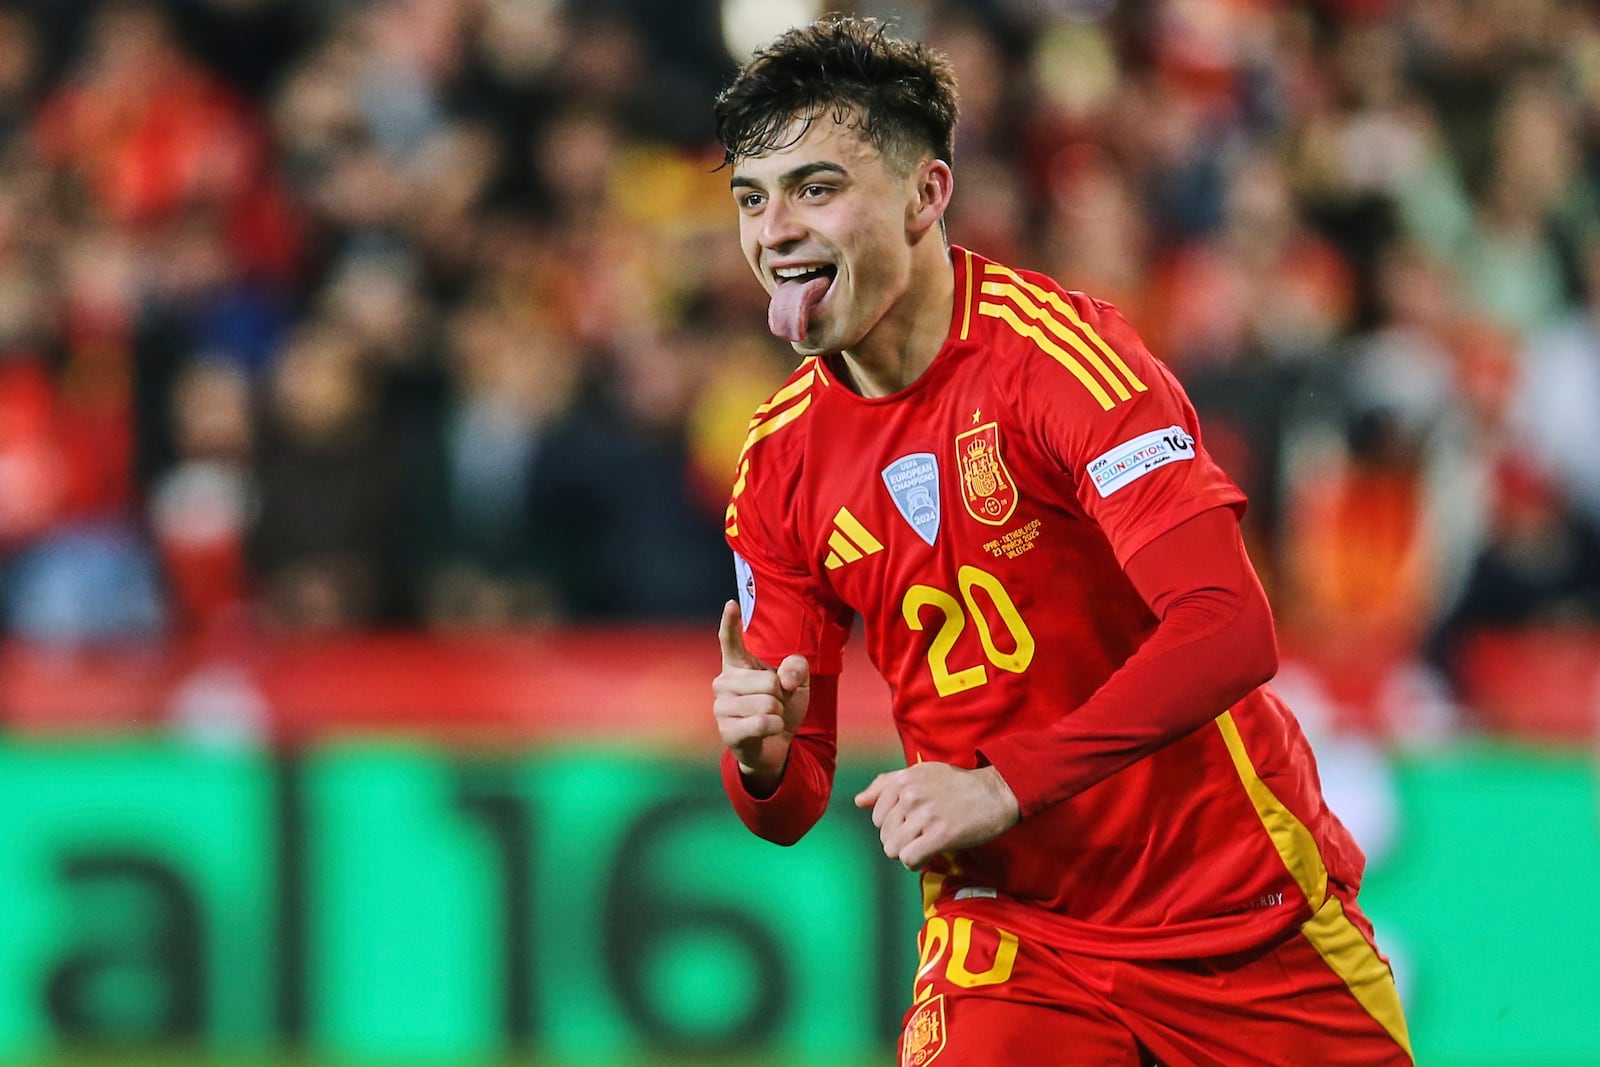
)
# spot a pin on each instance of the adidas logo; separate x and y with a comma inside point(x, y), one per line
point(849, 541)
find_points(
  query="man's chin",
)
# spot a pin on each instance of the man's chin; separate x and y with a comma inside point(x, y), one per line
point(815, 343)
point(823, 340)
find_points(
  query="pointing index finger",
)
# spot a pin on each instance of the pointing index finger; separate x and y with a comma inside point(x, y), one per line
point(731, 636)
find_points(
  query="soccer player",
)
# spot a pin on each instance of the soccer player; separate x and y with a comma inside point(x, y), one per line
point(1124, 851)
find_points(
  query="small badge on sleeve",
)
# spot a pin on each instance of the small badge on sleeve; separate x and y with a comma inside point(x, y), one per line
point(1132, 460)
point(747, 589)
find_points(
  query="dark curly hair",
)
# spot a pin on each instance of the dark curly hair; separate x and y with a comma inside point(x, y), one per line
point(899, 94)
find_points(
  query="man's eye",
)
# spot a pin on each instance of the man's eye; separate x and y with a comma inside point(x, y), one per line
point(751, 201)
point(813, 191)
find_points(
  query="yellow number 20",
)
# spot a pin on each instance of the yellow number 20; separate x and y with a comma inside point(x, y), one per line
point(938, 935)
point(948, 681)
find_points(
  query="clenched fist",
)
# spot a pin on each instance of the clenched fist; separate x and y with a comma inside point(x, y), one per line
point(931, 808)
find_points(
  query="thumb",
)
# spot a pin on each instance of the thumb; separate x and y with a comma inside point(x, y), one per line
point(731, 636)
point(794, 673)
point(794, 679)
point(869, 796)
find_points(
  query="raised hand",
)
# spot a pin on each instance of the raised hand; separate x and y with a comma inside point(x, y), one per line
point(758, 709)
point(931, 808)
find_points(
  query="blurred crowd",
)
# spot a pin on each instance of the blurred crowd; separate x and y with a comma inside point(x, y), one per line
point(430, 313)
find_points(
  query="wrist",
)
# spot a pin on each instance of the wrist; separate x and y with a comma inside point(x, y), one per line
point(759, 783)
point(1006, 799)
point(762, 772)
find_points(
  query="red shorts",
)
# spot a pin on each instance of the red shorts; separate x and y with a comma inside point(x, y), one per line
point(1323, 997)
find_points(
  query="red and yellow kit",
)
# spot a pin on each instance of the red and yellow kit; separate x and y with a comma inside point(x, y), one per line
point(978, 522)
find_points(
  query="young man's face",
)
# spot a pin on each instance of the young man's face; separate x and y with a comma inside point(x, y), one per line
point(824, 225)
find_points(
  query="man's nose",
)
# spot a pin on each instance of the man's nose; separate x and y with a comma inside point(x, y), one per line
point(780, 225)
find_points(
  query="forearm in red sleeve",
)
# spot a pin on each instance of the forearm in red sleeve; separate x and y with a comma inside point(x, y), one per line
point(1214, 643)
point(784, 815)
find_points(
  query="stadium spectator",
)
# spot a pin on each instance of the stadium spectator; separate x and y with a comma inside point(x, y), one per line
point(201, 505)
point(327, 535)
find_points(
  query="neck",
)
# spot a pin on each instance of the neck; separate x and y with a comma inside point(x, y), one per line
point(905, 341)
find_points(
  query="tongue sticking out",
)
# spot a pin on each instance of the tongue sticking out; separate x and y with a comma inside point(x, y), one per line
point(790, 314)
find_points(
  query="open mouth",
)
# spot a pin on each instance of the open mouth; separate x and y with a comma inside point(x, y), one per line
point(799, 289)
point(805, 274)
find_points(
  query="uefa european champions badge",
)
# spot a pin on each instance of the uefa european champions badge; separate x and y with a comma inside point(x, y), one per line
point(747, 589)
point(913, 484)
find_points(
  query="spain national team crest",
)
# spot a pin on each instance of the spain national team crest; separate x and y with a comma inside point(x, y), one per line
point(924, 1035)
point(913, 484)
point(986, 485)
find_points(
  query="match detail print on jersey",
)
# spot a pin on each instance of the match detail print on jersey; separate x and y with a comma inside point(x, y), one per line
point(913, 484)
point(986, 486)
point(1132, 460)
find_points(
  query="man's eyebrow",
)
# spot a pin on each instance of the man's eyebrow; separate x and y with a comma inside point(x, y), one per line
point(790, 179)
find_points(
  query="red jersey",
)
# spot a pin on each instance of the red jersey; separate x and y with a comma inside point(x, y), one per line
point(978, 521)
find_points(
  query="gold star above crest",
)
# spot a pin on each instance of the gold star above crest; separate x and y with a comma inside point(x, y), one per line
point(977, 413)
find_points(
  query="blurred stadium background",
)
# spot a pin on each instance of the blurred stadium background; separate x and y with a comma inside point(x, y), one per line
point(371, 373)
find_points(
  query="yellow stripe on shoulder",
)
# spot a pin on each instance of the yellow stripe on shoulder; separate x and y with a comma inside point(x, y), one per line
point(769, 426)
point(790, 391)
point(966, 300)
point(768, 420)
point(1055, 326)
point(1006, 314)
point(1070, 317)
point(773, 416)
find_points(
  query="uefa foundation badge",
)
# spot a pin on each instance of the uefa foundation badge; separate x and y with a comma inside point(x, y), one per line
point(913, 484)
point(1132, 460)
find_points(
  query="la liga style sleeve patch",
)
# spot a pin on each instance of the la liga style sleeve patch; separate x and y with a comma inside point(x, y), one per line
point(746, 579)
point(1125, 464)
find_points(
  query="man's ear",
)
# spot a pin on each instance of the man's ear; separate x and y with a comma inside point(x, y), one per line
point(935, 183)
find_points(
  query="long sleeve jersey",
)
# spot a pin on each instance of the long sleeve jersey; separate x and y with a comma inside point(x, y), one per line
point(980, 523)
